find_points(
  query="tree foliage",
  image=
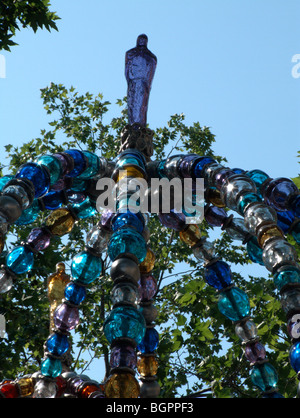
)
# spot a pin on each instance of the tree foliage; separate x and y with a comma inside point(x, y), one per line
point(198, 346)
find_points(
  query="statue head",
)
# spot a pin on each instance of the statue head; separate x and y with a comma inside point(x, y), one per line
point(142, 40)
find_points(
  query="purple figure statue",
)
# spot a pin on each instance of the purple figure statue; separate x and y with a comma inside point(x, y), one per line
point(140, 65)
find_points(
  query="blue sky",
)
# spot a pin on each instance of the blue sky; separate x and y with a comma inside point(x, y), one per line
point(227, 64)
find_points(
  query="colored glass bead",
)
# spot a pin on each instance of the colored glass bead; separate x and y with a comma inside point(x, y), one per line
point(97, 239)
point(149, 312)
point(259, 177)
point(172, 220)
point(122, 385)
point(255, 352)
point(9, 390)
point(26, 386)
point(278, 192)
point(39, 239)
point(85, 209)
point(290, 300)
point(51, 367)
point(147, 287)
point(66, 317)
point(93, 165)
point(123, 355)
point(30, 214)
point(147, 366)
point(244, 200)
point(37, 175)
point(127, 219)
point(6, 280)
point(60, 222)
point(254, 251)
point(215, 216)
point(295, 205)
point(296, 232)
point(234, 304)
point(127, 241)
point(213, 196)
point(124, 321)
point(190, 235)
point(124, 292)
point(234, 187)
point(277, 253)
point(268, 232)
point(57, 344)
point(246, 330)
point(80, 162)
point(199, 165)
point(4, 180)
point(218, 275)
point(86, 267)
point(88, 390)
point(186, 162)
point(264, 376)
point(79, 185)
point(11, 210)
point(148, 264)
point(74, 293)
point(20, 260)
point(285, 220)
point(150, 341)
point(18, 193)
point(54, 166)
point(130, 171)
point(54, 199)
point(130, 159)
point(259, 214)
point(204, 252)
point(220, 176)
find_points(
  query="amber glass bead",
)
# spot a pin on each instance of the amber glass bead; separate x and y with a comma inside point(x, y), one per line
point(130, 171)
point(214, 197)
point(147, 366)
point(190, 235)
point(26, 386)
point(268, 232)
point(60, 222)
point(148, 264)
point(87, 390)
point(122, 385)
point(56, 287)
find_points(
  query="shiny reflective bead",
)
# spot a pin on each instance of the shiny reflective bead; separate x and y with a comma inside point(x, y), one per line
point(215, 216)
point(149, 342)
point(18, 193)
point(278, 192)
point(285, 220)
point(172, 220)
point(37, 175)
point(26, 387)
point(147, 287)
point(290, 300)
point(39, 239)
point(255, 352)
point(149, 312)
point(20, 260)
point(122, 385)
point(54, 166)
point(57, 344)
point(220, 176)
point(129, 171)
point(149, 262)
point(149, 389)
point(199, 165)
point(147, 366)
point(97, 239)
point(124, 292)
point(213, 196)
point(93, 165)
point(125, 322)
point(54, 199)
point(246, 330)
point(127, 219)
point(66, 317)
point(236, 229)
point(123, 355)
point(30, 214)
point(60, 222)
point(268, 232)
point(259, 214)
point(51, 367)
point(80, 162)
point(190, 235)
point(245, 200)
point(85, 267)
point(264, 376)
point(277, 253)
point(75, 293)
point(6, 280)
point(234, 187)
point(218, 275)
point(259, 177)
point(10, 208)
point(9, 390)
point(295, 205)
point(125, 268)
point(44, 389)
point(127, 241)
point(85, 209)
point(204, 252)
point(234, 304)
point(254, 251)
point(293, 326)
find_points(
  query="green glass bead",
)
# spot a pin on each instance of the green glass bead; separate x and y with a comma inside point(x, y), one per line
point(54, 166)
point(264, 376)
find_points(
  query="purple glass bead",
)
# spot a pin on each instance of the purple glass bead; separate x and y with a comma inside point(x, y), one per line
point(106, 218)
point(66, 317)
point(278, 193)
point(39, 239)
point(221, 176)
point(147, 287)
point(255, 352)
point(62, 184)
point(123, 356)
point(172, 220)
point(66, 161)
point(215, 216)
point(184, 167)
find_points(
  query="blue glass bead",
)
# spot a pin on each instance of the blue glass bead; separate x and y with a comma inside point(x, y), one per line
point(54, 200)
point(295, 356)
point(161, 169)
point(38, 175)
point(150, 341)
point(127, 219)
point(30, 214)
point(198, 167)
point(85, 267)
point(129, 160)
point(93, 165)
point(20, 260)
point(85, 209)
point(79, 185)
point(54, 166)
point(286, 274)
point(57, 344)
point(51, 367)
point(264, 376)
point(218, 275)
point(4, 180)
point(75, 293)
point(296, 232)
point(126, 240)
point(245, 199)
point(295, 205)
point(125, 322)
point(80, 162)
point(234, 304)
point(254, 251)
point(285, 220)
point(238, 170)
point(259, 177)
